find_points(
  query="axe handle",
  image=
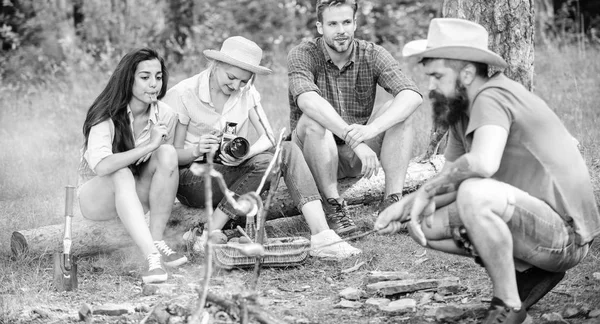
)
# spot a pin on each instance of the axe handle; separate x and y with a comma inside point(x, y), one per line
point(70, 194)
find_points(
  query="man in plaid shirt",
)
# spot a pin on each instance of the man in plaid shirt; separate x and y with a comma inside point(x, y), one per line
point(332, 85)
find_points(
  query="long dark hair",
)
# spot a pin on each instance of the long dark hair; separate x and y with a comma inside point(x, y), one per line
point(112, 101)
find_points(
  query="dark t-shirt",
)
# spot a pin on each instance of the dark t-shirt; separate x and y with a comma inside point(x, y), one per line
point(540, 157)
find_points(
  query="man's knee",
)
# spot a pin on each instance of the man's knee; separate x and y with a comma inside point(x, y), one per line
point(478, 194)
point(310, 128)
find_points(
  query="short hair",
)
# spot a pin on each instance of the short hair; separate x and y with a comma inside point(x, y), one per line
point(324, 4)
point(481, 69)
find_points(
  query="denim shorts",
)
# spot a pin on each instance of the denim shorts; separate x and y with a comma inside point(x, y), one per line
point(540, 236)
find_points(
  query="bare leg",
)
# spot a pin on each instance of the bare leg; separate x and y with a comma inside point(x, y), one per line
point(315, 217)
point(481, 203)
point(107, 197)
point(396, 151)
point(157, 185)
point(320, 152)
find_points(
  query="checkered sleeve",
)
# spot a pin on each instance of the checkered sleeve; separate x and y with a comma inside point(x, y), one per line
point(301, 71)
point(391, 77)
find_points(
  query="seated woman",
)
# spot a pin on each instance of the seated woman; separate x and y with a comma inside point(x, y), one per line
point(225, 93)
point(129, 165)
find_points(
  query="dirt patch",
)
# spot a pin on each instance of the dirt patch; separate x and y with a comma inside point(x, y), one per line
point(304, 294)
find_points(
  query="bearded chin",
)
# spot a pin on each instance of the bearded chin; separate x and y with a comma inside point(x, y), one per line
point(448, 111)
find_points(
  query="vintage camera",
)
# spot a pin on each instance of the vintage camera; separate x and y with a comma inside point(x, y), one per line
point(236, 146)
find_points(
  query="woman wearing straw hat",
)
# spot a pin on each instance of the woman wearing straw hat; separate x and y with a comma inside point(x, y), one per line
point(222, 94)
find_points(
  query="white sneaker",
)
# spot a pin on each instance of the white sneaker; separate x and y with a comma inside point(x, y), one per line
point(155, 273)
point(338, 251)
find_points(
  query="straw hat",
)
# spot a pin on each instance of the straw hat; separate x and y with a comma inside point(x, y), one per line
point(241, 52)
point(457, 39)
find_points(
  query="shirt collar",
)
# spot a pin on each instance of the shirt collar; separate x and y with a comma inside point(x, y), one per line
point(152, 117)
point(328, 59)
point(204, 88)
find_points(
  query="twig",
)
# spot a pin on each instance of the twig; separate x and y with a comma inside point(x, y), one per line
point(262, 215)
point(261, 315)
point(143, 321)
point(241, 230)
point(197, 315)
point(274, 160)
point(354, 268)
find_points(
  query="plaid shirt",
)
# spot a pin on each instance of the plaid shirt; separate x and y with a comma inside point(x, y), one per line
point(351, 89)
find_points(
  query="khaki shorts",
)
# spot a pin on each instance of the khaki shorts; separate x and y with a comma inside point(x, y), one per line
point(349, 165)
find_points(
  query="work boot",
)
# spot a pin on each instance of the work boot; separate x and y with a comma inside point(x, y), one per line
point(337, 217)
point(170, 257)
point(155, 272)
point(499, 313)
point(337, 251)
point(535, 283)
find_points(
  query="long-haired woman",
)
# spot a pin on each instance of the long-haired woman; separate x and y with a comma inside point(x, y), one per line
point(129, 165)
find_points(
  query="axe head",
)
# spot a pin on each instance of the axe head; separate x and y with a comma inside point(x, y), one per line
point(65, 272)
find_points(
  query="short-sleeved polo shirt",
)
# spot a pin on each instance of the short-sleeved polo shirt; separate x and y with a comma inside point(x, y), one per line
point(191, 99)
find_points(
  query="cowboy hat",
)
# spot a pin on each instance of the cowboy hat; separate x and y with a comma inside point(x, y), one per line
point(457, 39)
point(240, 52)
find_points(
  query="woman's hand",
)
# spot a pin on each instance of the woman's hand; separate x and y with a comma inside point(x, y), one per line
point(207, 143)
point(229, 160)
point(158, 135)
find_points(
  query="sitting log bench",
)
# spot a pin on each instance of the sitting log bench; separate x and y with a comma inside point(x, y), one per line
point(91, 237)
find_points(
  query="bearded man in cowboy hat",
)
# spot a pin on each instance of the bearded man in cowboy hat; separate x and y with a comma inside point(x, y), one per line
point(515, 192)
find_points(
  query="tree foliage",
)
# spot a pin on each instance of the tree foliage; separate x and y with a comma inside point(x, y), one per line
point(53, 35)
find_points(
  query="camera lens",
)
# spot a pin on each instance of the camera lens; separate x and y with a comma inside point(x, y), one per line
point(237, 147)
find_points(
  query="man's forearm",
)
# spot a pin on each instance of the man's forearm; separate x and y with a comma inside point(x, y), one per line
point(452, 176)
point(321, 111)
point(403, 106)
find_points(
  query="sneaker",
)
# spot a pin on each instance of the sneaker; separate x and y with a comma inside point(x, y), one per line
point(535, 283)
point(155, 272)
point(338, 251)
point(337, 217)
point(500, 313)
point(170, 257)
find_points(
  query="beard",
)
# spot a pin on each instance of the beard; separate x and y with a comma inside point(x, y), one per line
point(448, 111)
point(335, 44)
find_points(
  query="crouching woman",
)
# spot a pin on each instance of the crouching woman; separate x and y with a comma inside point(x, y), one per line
point(128, 164)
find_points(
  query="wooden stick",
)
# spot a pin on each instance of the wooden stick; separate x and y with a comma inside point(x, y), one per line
point(261, 315)
point(241, 230)
point(262, 214)
point(197, 314)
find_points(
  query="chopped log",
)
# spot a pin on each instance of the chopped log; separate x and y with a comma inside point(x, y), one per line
point(92, 237)
point(363, 191)
point(378, 276)
point(393, 287)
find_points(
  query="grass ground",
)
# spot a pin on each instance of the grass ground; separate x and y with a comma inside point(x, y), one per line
point(39, 151)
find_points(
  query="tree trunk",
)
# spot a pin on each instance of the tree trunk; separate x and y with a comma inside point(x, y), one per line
point(510, 24)
point(91, 237)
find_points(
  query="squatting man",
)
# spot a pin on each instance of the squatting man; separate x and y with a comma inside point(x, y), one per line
point(515, 192)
